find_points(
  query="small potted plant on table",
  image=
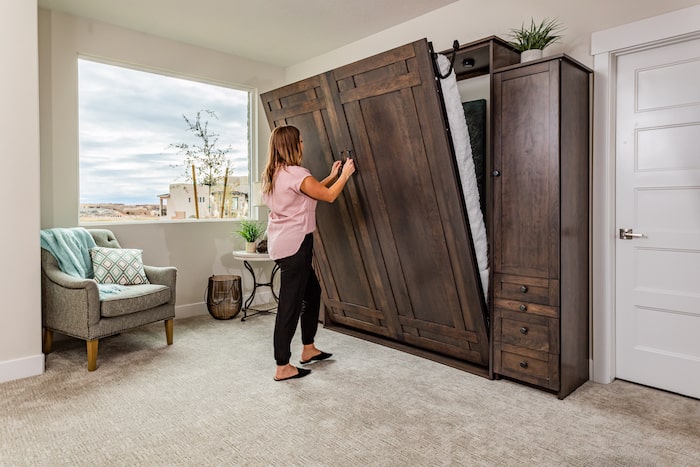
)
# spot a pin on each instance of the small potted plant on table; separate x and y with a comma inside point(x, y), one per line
point(251, 231)
point(530, 41)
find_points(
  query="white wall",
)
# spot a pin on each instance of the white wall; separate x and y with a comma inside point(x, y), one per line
point(20, 312)
point(197, 249)
point(471, 20)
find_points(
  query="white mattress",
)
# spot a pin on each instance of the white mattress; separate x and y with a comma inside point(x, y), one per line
point(465, 164)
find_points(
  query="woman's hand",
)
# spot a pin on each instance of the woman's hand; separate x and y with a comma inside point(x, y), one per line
point(348, 168)
point(335, 172)
point(325, 190)
point(335, 169)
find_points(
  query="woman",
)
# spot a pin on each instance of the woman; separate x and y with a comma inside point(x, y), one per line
point(291, 193)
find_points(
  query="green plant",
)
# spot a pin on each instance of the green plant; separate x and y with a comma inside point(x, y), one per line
point(536, 36)
point(250, 230)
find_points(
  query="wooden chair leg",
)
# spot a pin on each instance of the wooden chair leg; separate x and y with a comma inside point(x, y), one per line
point(169, 331)
point(48, 340)
point(92, 354)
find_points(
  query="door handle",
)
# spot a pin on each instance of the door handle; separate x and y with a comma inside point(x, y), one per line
point(628, 234)
point(354, 158)
point(344, 157)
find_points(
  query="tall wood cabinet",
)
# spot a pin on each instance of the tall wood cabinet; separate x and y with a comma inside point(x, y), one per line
point(540, 223)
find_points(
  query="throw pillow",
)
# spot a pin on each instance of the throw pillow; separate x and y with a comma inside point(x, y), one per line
point(118, 266)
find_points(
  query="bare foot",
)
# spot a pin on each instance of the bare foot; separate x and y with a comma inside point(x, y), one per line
point(286, 371)
point(309, 352)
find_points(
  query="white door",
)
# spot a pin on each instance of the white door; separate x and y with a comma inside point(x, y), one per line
point(658, 195)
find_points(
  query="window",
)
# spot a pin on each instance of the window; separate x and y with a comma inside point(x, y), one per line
point(141, 133)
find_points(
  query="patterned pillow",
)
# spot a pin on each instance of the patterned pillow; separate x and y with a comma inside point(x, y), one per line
point(118, 266)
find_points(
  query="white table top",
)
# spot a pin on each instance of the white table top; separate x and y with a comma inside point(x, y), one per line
point(245, 256)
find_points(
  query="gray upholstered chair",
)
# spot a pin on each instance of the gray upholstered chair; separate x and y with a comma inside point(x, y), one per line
point(72, 305)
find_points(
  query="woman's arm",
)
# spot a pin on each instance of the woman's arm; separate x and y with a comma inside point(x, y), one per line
point(335, 169)
point(318, 191)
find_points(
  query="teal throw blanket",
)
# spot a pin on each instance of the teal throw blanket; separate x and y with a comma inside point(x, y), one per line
point(71, 248)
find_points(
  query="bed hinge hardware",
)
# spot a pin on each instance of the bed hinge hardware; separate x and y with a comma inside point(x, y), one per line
point(453, 55)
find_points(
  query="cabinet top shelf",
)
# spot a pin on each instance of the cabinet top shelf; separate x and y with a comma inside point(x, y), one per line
point(548, 58)
point(483, 56)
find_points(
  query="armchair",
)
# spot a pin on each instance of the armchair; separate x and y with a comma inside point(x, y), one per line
point(73, 306)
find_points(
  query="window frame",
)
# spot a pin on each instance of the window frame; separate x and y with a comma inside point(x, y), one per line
point(252, 118)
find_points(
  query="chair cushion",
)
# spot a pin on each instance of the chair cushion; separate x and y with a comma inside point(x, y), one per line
point(134, 298)
point(122, 266)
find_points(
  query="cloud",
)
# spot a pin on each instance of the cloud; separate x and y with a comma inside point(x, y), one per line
point(129, 119)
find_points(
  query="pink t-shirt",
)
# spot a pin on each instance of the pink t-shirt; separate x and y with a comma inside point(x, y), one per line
point(292, 213)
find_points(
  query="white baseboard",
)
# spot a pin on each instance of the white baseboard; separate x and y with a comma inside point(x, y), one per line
point(200, 308)
point(191, 309)
point(22, 368)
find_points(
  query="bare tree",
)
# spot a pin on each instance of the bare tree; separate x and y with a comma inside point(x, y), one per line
point(210, 162)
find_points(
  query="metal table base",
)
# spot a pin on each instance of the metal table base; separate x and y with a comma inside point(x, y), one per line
point(256, 285)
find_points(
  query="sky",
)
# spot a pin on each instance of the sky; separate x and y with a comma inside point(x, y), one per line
point(127, 121)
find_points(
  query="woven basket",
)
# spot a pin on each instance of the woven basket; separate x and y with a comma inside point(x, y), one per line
point(224, 296)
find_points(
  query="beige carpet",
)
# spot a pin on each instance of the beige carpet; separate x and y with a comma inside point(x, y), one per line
point(210, 400)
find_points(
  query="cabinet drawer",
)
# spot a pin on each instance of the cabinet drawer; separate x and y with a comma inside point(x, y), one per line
point(526, 330)
point(527, 289)
point(532, 336)
point(539, 368)
point(526, 307)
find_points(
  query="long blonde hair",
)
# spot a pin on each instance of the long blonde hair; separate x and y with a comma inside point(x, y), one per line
point(284, 150)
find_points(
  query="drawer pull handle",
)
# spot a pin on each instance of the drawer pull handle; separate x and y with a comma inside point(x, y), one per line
point(523, 307)
point(523, 288)
point(523, 330)
point(523, 364)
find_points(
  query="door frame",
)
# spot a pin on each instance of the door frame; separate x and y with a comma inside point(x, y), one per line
point(606, 46)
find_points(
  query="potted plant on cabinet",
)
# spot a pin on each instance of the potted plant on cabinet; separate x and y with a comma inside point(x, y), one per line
point(530, 41)
point(251, 231)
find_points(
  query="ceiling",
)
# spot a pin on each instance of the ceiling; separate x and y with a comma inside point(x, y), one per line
point(279, 32)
